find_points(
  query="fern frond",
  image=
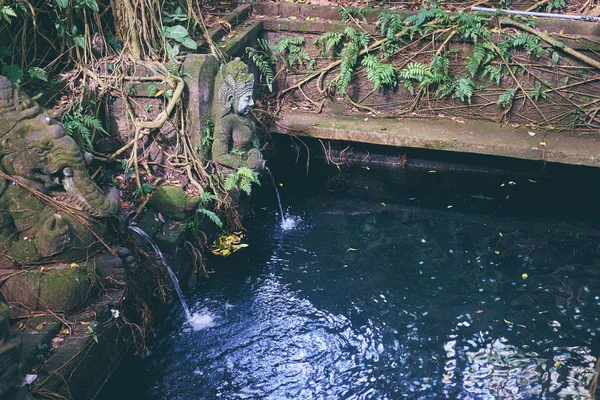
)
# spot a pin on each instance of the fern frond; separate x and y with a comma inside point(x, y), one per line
point(464, 88)
point(211, 215)
point(506, 98)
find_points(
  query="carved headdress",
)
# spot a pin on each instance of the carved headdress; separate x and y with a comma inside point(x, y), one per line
point(14, 106)
point(234, 81)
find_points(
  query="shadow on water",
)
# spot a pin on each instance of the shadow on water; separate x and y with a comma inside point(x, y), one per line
point(395, 284)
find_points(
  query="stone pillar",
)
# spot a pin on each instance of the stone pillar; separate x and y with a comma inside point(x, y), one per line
point(202, 70)
point(11, 354)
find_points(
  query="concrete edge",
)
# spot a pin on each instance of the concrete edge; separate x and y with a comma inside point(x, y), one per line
point(445, 134)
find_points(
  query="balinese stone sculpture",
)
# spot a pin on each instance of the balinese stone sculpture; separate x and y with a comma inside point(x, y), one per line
point(236, 143)
point(37, 152)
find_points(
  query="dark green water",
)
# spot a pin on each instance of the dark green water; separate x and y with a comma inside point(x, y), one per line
point(456, 287)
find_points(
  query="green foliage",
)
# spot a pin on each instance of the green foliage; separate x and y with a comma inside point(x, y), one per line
point(264, 60)
point(13, 72)
point(7, 13)
point(145, 189)
point(531, 44)
point(506, 98)
point(390, 24)
point(464, 88)
point(378, 73)
point(473, 26)
point(207, 134)
point(242, 180)
point(211, 215)
point(81, 126)
point(330, 41)
point(483, 53)
point(293, 48)
point(538, 93)
point(422, 16)
point(346, 14)
point(555, 5)
point(179, 34)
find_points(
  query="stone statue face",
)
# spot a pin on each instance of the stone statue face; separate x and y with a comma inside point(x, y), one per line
point(242, 105)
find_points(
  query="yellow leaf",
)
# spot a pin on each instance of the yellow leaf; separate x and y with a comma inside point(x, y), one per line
point(532, 133)
point(293, 18)
point(434, 357)
point(225, 253)
point(542, 143)
point(366, 119)
point(65, 331)
point(450, 206)
point(432, 171)
point(500, 233)
point(557, 364)
point(160, 92)
point(383, 204)
point(39, 327)
point(503, 185)
point(366, 167)
point(352, 249)
point(496, 252)
point(421, 272)
point(74, 265)
point(508, 322)
point(524, 276)
point(532, 181)
point(281, 185)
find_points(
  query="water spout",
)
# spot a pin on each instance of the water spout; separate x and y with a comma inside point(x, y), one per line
point(286, 223)
point(164, 264)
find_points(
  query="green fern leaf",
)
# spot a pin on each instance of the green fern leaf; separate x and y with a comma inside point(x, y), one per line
point(506, 98)
point(211, 215)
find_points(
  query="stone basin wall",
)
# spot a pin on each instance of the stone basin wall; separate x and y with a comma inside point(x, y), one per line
point(580, 82)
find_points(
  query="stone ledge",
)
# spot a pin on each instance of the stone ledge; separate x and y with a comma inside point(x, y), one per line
point(446, 134)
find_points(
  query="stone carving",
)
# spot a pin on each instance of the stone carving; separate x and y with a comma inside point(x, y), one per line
point(36, 151)
point(236, 143)
point(11, 353)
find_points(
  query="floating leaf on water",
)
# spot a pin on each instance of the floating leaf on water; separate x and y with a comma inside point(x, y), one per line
point(524, 275)
point(383, 204)
point(434, 357)
point(522, 326)
point(352, 249)
point(450, 206)
point(504, 184)
point(508, 322)
point(421, 272)
point(532, 181)
point(478, 311)
point(496, 252)
point(432, 171)
point(500, 233)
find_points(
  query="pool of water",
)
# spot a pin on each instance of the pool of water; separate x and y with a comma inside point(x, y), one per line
point(393, 284)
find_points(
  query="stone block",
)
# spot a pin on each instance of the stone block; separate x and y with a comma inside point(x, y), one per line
point(202, 70)
point(171, 236)
point(173, 202)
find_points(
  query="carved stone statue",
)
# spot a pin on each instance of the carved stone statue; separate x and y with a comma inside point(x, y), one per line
point(236, 143)
point(36, 150)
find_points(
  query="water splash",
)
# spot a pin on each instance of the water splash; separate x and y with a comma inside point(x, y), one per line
point(201, 320)
point(286, 223)
point(164, 264)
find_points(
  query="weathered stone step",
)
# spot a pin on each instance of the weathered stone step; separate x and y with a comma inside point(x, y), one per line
point(479, 137)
